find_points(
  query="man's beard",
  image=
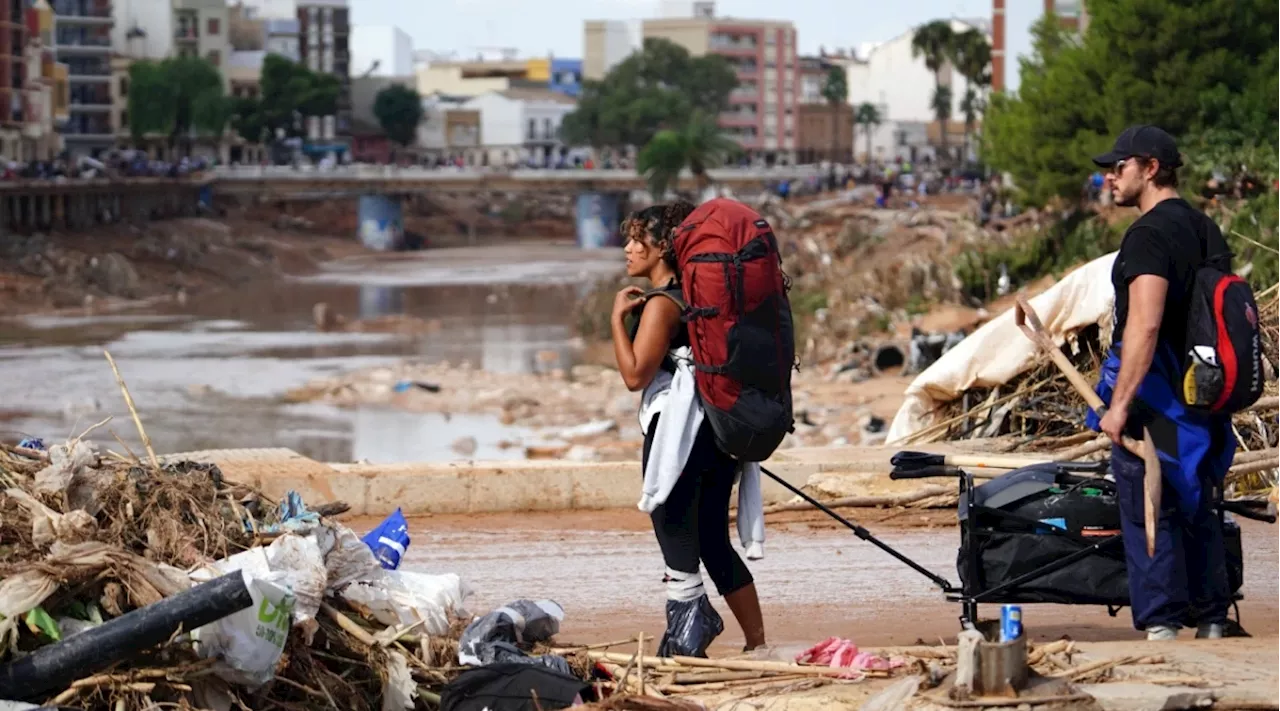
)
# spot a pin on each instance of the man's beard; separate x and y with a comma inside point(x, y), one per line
point(1122, 200)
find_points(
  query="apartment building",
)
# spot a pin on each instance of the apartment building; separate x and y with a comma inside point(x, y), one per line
point(1072, 15)
point(201, 29)
point(82, 40)
point(824, 132)
point(33, 87)
point(762, 115)
point(324, 28)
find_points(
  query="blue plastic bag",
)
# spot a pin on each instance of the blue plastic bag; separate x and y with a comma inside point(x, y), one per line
point(389, 540)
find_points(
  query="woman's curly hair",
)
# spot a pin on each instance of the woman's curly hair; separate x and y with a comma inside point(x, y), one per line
point(656, 226)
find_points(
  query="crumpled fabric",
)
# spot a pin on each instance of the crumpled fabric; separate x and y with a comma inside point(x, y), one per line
point(839, 653)
point(676, 397)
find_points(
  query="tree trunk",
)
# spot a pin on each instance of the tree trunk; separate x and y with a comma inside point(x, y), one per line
point(868, 128)
point(835, 134)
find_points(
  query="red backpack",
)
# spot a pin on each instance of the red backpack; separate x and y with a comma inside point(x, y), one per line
point(740, 327)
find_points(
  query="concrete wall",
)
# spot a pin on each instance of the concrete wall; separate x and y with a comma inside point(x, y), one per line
point(605, 43)
point(449, 80)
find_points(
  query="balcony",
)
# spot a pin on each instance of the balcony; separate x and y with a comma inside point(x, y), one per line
point(187, 33)
point(739, 118)
point(83, 45)
point(730, 43)
point(82, 12)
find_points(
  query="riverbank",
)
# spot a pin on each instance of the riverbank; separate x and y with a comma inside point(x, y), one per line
point(122, 266)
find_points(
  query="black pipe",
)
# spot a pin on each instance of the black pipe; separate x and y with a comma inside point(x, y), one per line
point(56, 666)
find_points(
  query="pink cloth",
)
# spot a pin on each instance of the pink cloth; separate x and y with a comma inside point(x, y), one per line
point(840, 653)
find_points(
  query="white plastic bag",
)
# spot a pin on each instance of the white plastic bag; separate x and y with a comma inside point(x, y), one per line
point(401, 597)
point(248, 643)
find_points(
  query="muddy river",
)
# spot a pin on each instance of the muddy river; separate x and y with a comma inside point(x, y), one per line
point(209, 373)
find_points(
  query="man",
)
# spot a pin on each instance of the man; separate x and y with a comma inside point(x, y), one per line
point(1185, 582)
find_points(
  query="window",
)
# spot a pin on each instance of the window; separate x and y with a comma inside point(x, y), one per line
point(124, 86)
point(124, 119)
point(214, 57)
point(213, 26)
point(546, 128)
point(533, 129)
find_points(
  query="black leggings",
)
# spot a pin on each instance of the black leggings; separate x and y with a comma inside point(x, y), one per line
point(693, 523)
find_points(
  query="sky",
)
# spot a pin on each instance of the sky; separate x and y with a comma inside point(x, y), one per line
point(555, 26)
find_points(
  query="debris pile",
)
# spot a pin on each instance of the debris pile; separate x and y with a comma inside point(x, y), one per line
point(89, 538)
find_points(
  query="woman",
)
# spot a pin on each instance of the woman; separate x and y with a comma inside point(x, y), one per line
point(690, 513)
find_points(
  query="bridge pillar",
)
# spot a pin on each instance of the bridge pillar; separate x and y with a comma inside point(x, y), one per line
point(596, 215)
point(380, 222)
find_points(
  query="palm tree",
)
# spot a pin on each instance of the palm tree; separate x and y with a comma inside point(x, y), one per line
point(868, 117)
point(935, 42)
point(699, 146)
point(835, 89)
point(942, 112)
point(971, 55)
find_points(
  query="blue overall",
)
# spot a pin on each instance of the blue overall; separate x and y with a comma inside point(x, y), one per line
point(1185, 583)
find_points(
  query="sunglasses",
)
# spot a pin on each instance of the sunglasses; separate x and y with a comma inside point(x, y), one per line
point(1118, 167)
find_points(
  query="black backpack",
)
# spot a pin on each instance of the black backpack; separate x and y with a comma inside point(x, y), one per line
point(1222, 367)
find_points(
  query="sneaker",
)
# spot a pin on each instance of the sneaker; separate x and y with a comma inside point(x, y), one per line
point(1213, 630)
point(1161, 633)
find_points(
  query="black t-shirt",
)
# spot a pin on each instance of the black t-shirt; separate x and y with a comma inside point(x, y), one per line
point(1171, 241)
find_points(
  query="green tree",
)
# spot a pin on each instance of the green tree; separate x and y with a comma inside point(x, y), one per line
point(868, 117)
point(247, 120)
point(290, 93)
point(1205, 71)
point(835, 89)
point(176, 97)
point(971, 55)
point(399, 111)
point(935, 41)
point(699, 145)
point(657, 88)
point(941, 105)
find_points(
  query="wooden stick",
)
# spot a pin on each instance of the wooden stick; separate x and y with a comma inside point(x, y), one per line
point(589, 647)
point(1257, 455)
point(985, 702)
point(133, 411)
point(1100, 665)
point(740, 665)
point(1102, 443)
point(348, 625)
point(1043, 650)
point(640, 660)
point(1263, 403)
point(861, 501)
point(1253, 468)
point(36, 454)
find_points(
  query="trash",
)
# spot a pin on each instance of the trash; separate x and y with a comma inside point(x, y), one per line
point(405, 386)
point(34, 443)
point(522, 622)
point(389, 540)
point(512, 687)
point(400, 598)
point(248, 643)
point(840, 653)
point(587, 429)
point(294, 515)
point(55, 666)
point(691, 627)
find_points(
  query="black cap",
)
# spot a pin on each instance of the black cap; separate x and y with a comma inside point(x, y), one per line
point(1145, 140)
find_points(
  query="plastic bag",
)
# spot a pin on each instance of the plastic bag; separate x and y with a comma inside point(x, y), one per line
point(248, 643)
point(401, 597)
point(300, 565)
point(521, 622)
point(691, 627)
point(389, 540)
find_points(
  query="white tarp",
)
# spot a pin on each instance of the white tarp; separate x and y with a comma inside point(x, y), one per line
point(998, 351)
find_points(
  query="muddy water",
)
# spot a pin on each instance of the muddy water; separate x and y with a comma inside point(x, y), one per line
point(606, 570)
point(209, 374)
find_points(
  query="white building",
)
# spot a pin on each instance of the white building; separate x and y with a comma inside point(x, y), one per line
point(143, 29)
point(521, 125)
point(382, 50)
point(889, 76)
point(271, 8)
point(606, 43)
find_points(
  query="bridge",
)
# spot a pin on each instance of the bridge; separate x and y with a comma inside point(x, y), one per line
point(277, 182)
point(601, 195)
point(73, 204)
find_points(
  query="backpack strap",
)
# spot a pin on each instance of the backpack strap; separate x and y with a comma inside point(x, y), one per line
point(671, 292)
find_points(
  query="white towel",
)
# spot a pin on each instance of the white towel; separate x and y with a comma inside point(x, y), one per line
point(676, 398)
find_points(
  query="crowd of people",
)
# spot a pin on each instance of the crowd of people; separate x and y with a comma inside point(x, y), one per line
point(115, 164)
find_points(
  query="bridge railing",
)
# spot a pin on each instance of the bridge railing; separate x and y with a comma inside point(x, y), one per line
point(309, 173)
